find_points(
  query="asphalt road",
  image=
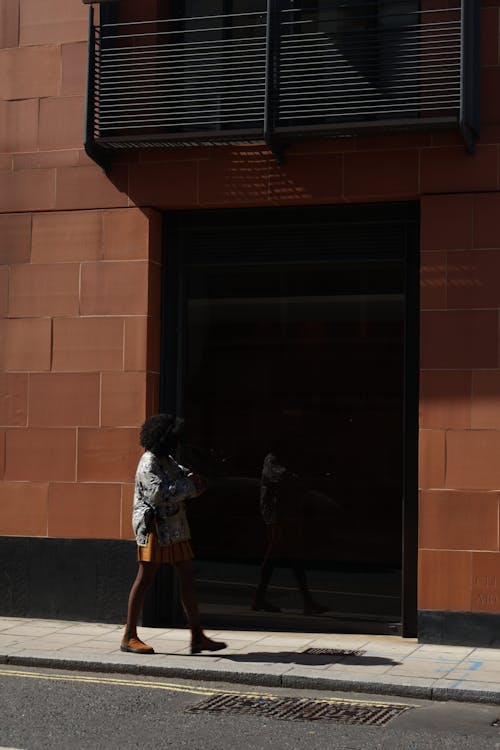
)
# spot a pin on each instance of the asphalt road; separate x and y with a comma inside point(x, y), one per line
point(64, 710)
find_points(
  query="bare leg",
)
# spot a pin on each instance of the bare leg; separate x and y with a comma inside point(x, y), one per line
point(145, 577)
point(260, 602)
point(199, 641)
point(189, 599)
point(310, 606)
point(301, 579)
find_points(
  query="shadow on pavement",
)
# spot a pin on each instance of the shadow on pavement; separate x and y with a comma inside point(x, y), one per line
point(310, 660)
point(292, 657)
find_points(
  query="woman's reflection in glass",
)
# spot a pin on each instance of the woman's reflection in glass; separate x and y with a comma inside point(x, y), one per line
point(282, 510)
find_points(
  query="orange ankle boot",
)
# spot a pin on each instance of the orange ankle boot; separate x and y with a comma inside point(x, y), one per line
point(204, 643)
point(134, 645)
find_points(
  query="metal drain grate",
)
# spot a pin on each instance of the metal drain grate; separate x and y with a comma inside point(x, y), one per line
point(334, 652)
point(303, 709)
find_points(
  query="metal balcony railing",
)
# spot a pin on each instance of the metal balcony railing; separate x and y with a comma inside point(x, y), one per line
point(297, 69)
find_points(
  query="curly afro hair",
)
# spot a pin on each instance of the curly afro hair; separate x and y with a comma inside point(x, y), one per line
point(160, 433)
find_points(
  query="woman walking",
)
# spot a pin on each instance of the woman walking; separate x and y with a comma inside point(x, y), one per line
point(162, 531)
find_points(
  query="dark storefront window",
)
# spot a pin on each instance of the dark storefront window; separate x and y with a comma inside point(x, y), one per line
point(292, 343)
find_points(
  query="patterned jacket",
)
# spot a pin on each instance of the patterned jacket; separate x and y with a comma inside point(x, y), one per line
point(274, 477)
point(161, 487)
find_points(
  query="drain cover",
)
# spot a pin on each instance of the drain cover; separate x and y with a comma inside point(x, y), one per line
point(303, 709)
point(333, 652)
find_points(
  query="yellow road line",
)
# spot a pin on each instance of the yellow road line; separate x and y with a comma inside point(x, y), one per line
point(107, 681)
point(177, 688)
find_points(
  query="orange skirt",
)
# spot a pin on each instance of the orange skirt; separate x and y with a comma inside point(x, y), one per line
point(173, 553)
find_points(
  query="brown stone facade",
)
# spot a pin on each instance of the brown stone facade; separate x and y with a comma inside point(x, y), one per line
point(80, 367)
point(79, 331)
point(459, 404)
point(80, 269)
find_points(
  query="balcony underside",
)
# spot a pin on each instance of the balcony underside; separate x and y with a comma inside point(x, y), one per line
point(284, 135)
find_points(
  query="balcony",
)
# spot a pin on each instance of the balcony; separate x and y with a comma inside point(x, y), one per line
point(283, 72)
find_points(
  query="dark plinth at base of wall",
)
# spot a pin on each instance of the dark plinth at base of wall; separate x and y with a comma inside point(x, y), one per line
point(74, 579)
point(479, 629)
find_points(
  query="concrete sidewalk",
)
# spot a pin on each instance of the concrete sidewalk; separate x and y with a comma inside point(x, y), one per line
point(387, 665)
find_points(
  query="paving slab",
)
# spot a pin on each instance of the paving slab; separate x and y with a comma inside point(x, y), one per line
point(387, 665)
point(90, 629)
